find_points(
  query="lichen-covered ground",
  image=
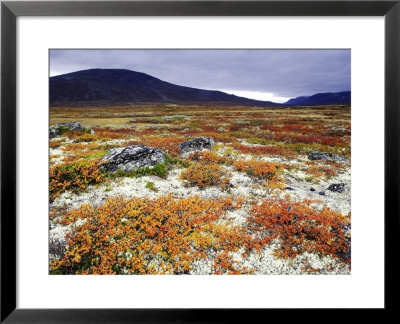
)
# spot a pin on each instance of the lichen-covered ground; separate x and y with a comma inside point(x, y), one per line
point(253, 204)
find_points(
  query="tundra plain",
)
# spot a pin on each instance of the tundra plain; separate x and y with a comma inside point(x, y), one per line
point(271, 196)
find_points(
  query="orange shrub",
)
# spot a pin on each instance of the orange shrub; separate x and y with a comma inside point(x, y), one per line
point(258, 169)
point(265, 149)
point(208, 157)
point(85, 155)
point(300, 228)
point(320, 171)
point(79, 146)
point(270, 172)
point(73, 176)
point(55, 143)
point(204, 175)
point(85, 137)
point(143, 236)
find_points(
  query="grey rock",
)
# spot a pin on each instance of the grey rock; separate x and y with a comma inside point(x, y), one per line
point(53, 131)
point(346, 254)
point(132, 158)
point(336, 187)
point(322, 193)
point(197, 144)
point(312, 189)
point(74, 126)
point(290, 189)
point(315, 155)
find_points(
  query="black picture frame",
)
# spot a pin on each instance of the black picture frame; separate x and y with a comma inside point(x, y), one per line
point(10, 10)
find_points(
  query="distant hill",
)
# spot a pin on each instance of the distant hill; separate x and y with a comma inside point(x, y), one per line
point(118, 86)
point(328, 98)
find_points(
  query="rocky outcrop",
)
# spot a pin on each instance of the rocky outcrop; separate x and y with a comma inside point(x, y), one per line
point(132, 158)
point(56, 130)
point(326, 156)
point(197, 144)
point(336, 187)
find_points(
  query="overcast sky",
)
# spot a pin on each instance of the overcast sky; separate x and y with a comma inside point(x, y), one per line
point(275, 75)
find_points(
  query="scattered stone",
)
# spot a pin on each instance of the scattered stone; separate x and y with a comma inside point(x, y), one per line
point(197, 144)
point(322, 193)
point(315, 155)
point(222, 130)
point(132, 158)
point(54, 130)
point(336, 187)
point(290, 188)
point(312, 189)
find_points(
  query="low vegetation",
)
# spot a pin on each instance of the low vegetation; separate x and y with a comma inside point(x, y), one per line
point(252, 204)
point(74, 177)
point(167, 235)
point(205, 175)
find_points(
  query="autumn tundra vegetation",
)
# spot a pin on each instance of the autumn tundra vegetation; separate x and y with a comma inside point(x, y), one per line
point(207, 189)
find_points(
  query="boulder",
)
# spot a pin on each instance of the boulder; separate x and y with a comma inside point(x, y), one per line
point(71, 126)
point(54, 130)
point(346, 254)
point(197, 144)
point(132, 158)
point(336, 187)
point(326, 156)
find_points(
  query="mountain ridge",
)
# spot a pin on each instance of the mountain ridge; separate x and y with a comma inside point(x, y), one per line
point(110, 87)
point(126, 86)
point(323, 98)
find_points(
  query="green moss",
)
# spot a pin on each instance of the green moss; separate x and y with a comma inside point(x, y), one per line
point(94, 155)
point(150, 185)
point(62, 129)
point(59, 271)
point(169, 161)
point(108, 187)
point(156, 120)
point(255, 140)
point(158, 170)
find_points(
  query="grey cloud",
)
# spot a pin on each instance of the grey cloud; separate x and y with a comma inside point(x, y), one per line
point(286, 73)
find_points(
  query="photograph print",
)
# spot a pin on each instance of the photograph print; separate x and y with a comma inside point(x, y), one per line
point(199, 162)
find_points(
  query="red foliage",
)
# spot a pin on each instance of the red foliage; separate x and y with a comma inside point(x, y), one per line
point(300, 228)
point(265, 149)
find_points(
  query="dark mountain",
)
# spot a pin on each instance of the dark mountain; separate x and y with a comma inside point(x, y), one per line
point(328, 98)
point(117, 86)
